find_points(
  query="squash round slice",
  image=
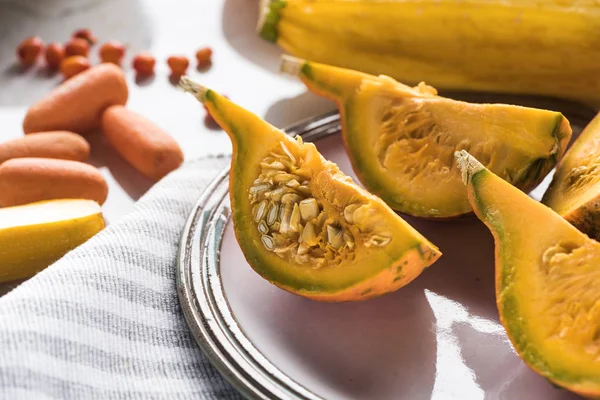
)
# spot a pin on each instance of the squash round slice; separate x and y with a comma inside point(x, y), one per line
point(575, 189)
point(304, 225)
point(547, 281)
point(401, 140)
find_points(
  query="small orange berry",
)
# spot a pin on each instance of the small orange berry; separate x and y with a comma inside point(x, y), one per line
point(112, 51)
point(204, 56)
point(77, 47)
point(143, 64)
point(85, 34)
point(73, 65)
point(178, 65)
point(55, 52)
point(29, 50)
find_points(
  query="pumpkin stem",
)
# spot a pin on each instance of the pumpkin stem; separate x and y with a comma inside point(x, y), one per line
point(291, 65)
point(188, 85)
point(468, 165)
point(269, 19)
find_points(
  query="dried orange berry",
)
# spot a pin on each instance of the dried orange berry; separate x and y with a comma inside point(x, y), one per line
point(204, 57)
point(143, 64)
point(73, 65)
point(77, 47)
point(86, 35)
point(112, 51)
point(55, 52)
point(178, 64)
point(29, 50)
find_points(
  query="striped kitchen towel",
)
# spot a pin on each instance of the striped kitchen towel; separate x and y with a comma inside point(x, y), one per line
point(104, 322)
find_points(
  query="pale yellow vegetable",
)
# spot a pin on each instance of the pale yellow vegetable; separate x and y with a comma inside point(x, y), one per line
point(35, 235)
point(541, 47)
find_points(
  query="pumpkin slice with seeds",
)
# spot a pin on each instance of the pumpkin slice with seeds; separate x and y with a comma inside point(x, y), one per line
point(547, 281)
point(575, 189)
point(304, 225)
point(401, 140)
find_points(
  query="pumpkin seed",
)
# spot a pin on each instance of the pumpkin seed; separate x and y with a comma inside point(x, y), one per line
point(277, 165)
point(268, 242)
point(309, 209)
point(335, 237)
point(304, 190)
point(285, 220)
point(281, 211)
point(283, 177)
point(288, 152)
point(293, 184)
point(348, 240)
point(309, 235)
point(260, 211)
point(277, 194)
point(378, 240)
point(272, 214)
point(290, 198)
point(303, 249)
point(259, 188)
point(349, 212)
point(263, 228)
point(295, 218)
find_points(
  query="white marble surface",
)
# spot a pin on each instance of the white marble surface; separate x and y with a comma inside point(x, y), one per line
point(244, 67)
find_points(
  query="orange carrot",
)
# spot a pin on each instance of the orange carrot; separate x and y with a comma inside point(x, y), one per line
point(140, 142)
point(27, 180)
point(58, 144)
point(78, 103)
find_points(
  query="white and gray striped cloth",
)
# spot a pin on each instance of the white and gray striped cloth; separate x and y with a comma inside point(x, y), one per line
point(105, 321)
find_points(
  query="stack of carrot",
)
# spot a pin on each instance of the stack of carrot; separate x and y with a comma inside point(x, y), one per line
point(47, 162)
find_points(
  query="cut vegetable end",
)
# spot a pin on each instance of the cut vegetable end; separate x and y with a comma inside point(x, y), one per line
point(291, 65)
point(194, 88)
point(468, 165)
point(45, 212)
point(269, 19)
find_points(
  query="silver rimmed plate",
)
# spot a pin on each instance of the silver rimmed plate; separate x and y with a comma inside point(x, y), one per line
point(437, 338)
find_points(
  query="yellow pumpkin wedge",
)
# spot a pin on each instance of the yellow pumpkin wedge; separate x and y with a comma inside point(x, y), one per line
point(301, 223)
point(35, 235)
point(574, 191)
point(547, 281)
point(401, 140)
point(539, 47)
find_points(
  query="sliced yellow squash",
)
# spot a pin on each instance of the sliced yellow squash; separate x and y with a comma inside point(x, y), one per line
point(547, 281)
point(35, 235)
